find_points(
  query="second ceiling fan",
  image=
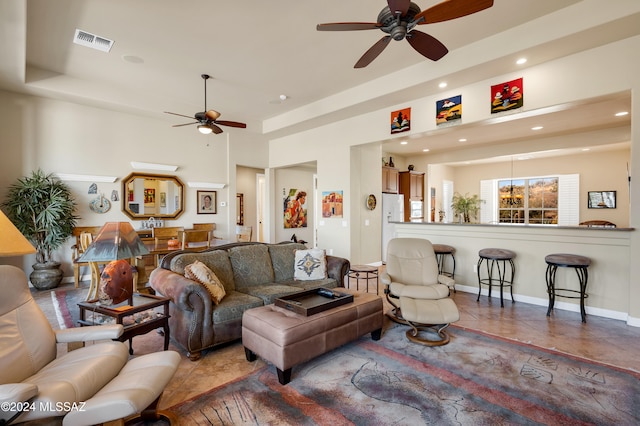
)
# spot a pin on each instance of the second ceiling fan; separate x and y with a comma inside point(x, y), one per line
point(207, 120)
point(398, 20)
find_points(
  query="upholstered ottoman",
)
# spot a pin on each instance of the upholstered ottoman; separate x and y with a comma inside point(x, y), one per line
point(285, 338)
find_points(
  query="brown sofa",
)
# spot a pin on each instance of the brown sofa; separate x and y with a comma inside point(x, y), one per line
point(253, 274)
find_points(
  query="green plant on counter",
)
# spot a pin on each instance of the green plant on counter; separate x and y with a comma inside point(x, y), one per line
point(466, 206)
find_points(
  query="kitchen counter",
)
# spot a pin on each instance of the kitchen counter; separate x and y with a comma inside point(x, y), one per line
point(609, 285)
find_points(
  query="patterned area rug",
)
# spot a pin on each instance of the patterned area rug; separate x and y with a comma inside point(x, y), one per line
point(476, 379)
point(65, 305)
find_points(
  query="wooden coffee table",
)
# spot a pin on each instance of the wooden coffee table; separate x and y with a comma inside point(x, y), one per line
point(139, 315)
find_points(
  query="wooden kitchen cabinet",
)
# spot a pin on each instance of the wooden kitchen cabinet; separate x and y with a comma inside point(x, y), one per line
point(390, 180)
point(412, 187)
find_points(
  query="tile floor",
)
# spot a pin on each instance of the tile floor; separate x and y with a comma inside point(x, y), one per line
point(601, 339)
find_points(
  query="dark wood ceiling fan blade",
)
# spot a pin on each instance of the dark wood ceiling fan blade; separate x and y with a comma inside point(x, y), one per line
point(231, 124)
point(452, 9)
point(373, 52)
point(348, 26)
point(428, 46)
point(186, 124)
point(217, 130)
point(212, 114)
point(179, 115)
point(401, 6)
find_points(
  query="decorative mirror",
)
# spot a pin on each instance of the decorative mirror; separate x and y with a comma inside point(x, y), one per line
point(240, 209)
point(147, 195)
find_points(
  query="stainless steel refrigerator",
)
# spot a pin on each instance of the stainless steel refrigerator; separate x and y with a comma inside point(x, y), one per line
point(392, 211)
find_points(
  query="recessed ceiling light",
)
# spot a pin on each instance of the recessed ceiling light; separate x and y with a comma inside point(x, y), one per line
point(442, 85)
point(462, 140)
point(283, 97)
point(404, 143)
point(622, 113)
point(537, 128)
point(521, 61)
point(425, 150)
point(133, 59)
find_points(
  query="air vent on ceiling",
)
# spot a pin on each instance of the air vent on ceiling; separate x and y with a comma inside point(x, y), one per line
point(93, 41)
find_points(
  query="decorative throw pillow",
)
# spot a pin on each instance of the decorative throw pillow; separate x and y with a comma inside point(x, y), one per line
point(310, 265)
point(199, 272)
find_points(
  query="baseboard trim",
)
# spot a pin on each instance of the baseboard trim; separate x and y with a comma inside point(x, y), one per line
point(571, 307)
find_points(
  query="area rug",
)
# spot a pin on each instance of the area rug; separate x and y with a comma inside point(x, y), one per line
point(477, 379)
point(65, 305)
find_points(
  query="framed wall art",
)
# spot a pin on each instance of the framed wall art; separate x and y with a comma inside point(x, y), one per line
point(295, 209)
point(149, 196)
point(449, 110)
point(207, 202)
point(332, 204)
point(401, 120)
point(601, 200)
point(507, 96)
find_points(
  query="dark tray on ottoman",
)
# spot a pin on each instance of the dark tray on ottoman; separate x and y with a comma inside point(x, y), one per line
point(310, 302)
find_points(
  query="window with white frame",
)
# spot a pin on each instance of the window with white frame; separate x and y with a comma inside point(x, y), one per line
point(542, 200)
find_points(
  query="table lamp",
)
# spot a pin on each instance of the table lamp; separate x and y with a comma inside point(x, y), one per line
point(12, 242)
point(116, 241)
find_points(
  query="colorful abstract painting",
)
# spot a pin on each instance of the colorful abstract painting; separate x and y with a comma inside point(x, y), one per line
point(401, 120)
point(295, 209)
point(507, 96)
point(449, 110)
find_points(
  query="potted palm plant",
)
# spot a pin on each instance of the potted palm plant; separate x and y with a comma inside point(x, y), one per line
point(43, 209)
point(466, 206)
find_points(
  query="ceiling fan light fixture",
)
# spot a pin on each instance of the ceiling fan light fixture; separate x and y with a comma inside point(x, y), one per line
point(205, 129)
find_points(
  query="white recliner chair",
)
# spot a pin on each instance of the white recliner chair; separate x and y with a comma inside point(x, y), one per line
point(91, 385)
point(418, 294)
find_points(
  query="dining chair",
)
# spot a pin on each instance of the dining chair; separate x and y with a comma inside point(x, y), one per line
point(206, 226)
point(164, 234)
point(195, 238)
point(243, 233)
point(78, 250)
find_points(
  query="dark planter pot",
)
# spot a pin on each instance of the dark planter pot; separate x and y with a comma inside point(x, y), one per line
point(46, 276)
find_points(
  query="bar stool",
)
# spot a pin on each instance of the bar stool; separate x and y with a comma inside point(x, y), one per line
point(442, 251)
point(580, 264)
point(498, 258)
point(369, 272)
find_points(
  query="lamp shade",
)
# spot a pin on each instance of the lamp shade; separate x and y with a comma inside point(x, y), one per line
point(12, 242)
point(116, 240)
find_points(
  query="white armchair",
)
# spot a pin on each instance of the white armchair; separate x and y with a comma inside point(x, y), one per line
point(418, 293)
point(90, 385)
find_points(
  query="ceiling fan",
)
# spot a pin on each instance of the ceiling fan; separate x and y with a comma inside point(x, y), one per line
point(207, 121)
point(398, 20)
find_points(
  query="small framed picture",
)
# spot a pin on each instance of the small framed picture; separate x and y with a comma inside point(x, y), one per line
point(207, 202)
point(602, 200)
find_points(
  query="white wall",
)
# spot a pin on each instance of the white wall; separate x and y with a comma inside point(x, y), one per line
point(63, 137)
